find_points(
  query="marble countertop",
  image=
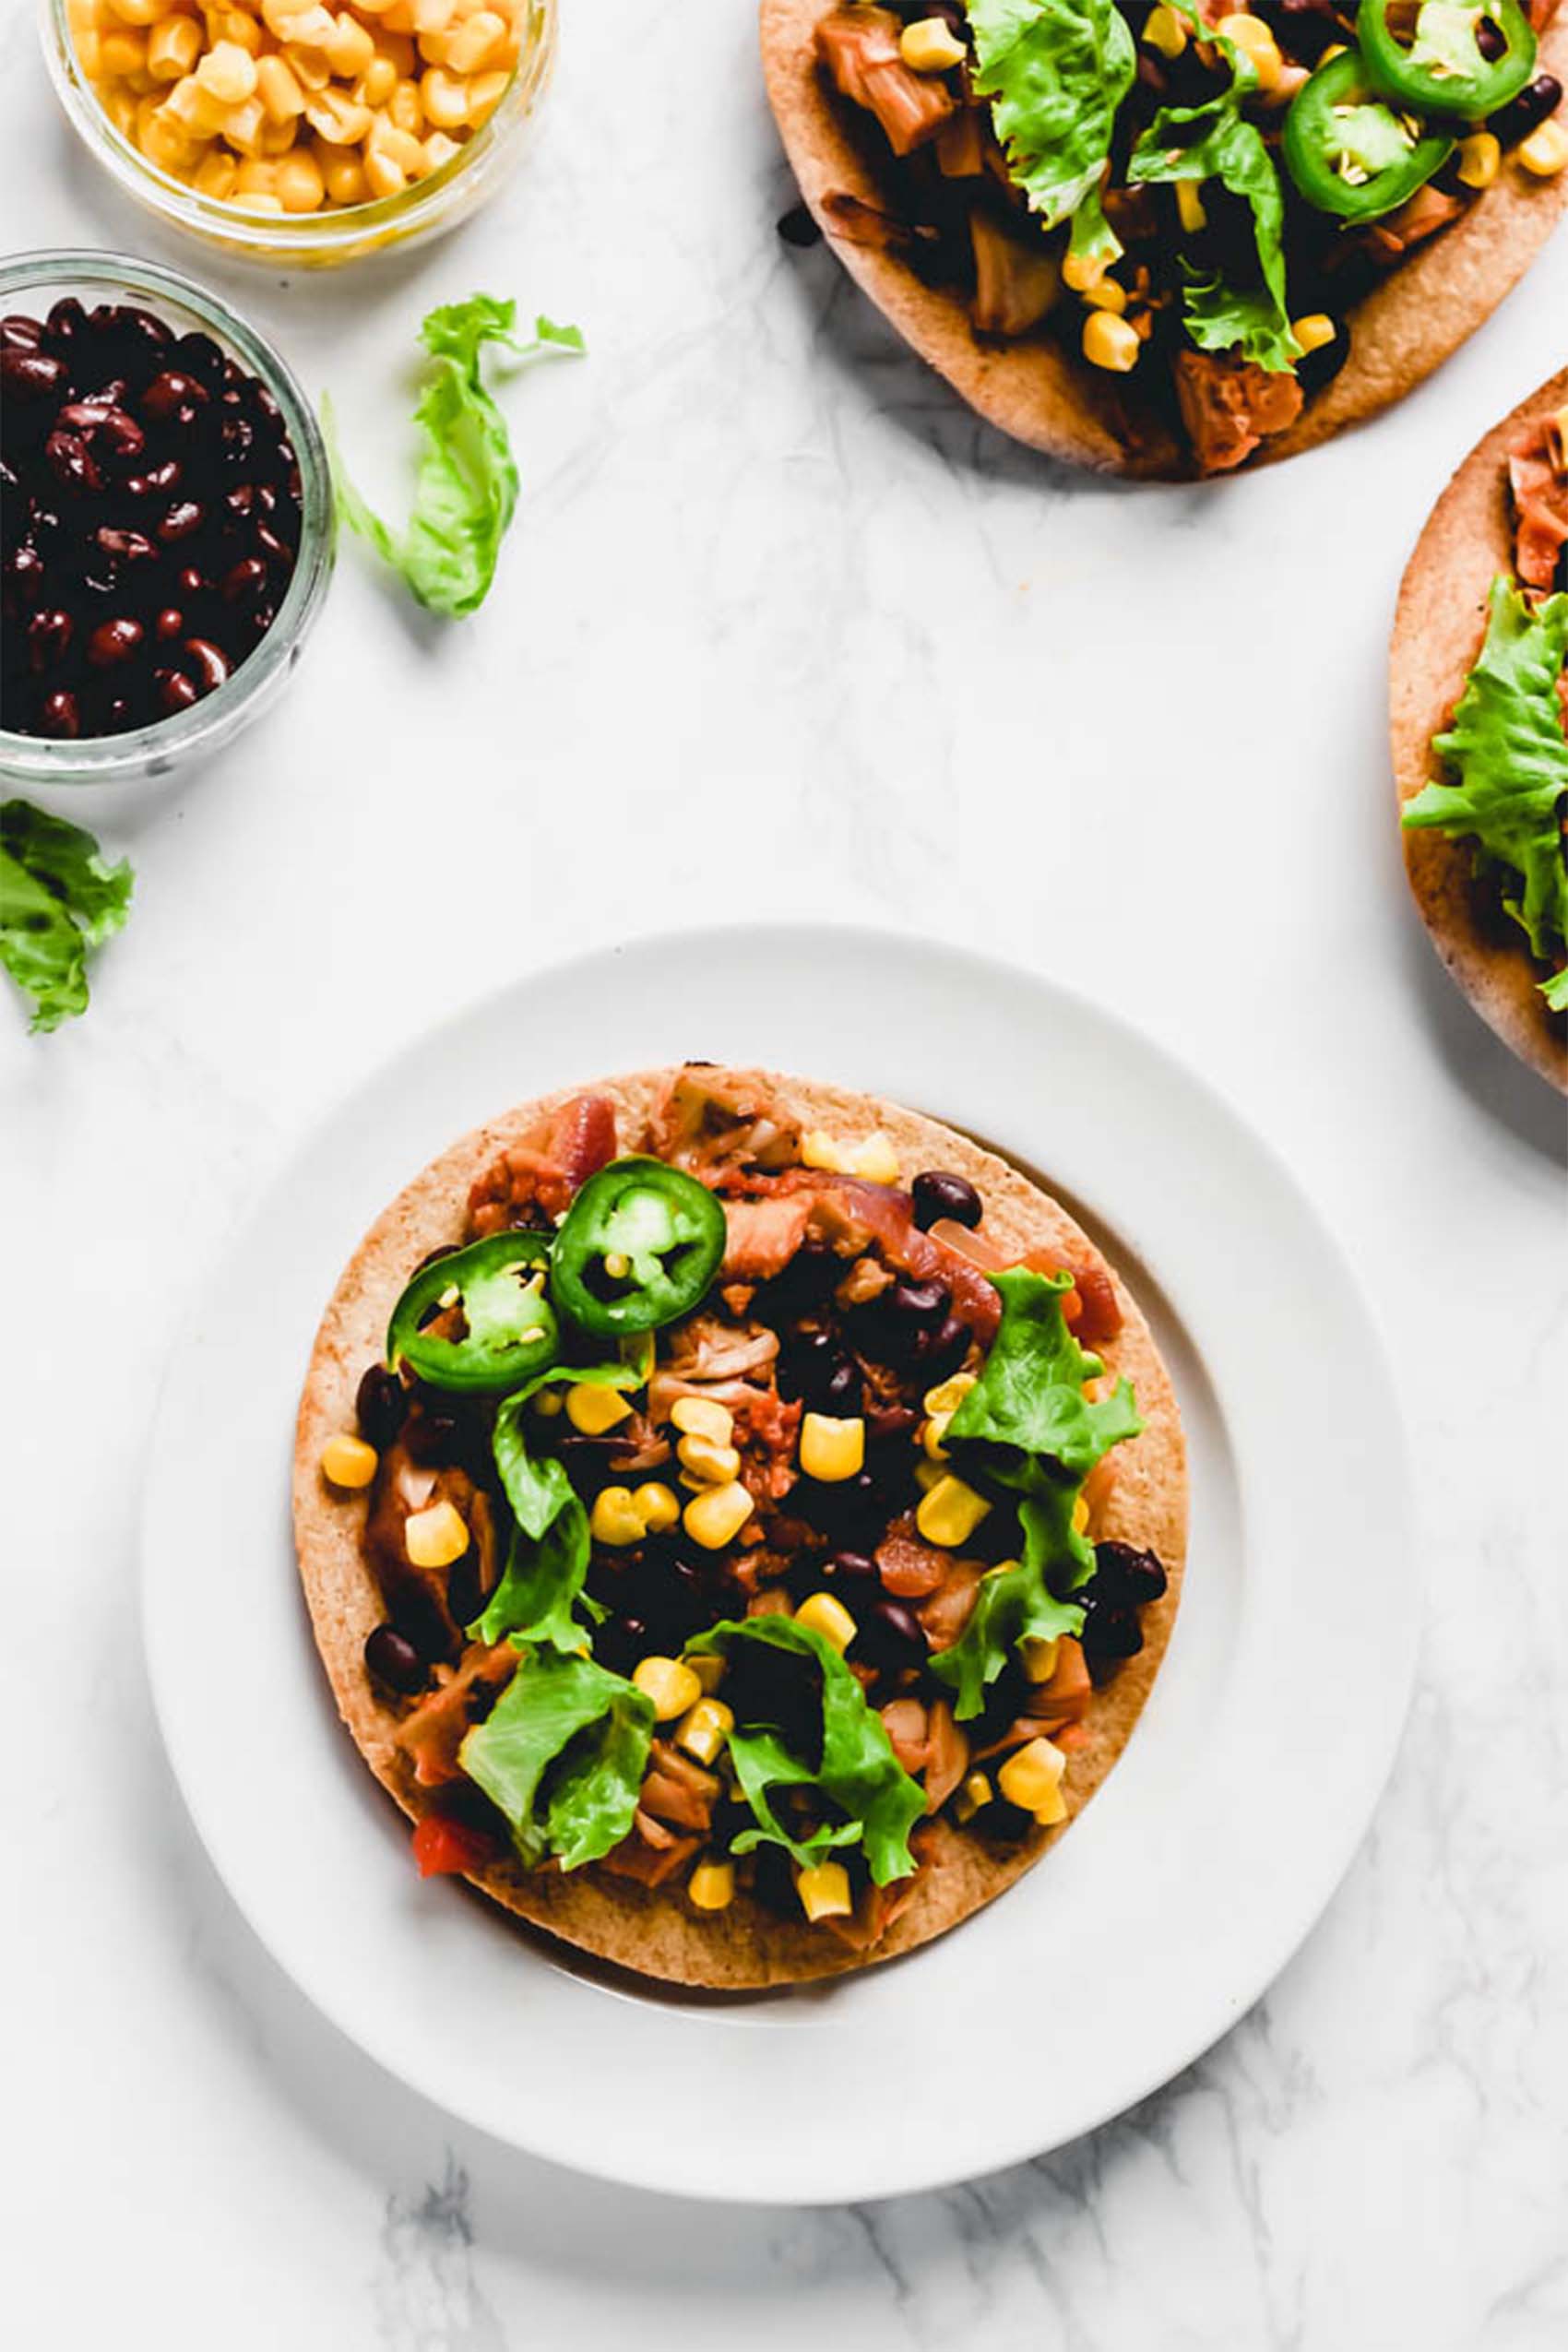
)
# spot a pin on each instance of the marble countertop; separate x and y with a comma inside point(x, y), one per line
point(781, 628)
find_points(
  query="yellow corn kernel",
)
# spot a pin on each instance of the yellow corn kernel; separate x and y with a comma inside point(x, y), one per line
point(658, 1507)
point(1311, 333)
point(141, 12)
point(1082, 270)
point(237, 25)
point(121, 108)
point(1037, 1658)
point(709, 1464)
point(1054, 1809)
point(408, 156)
point(278, 89)
point(948, 1395)
point(348, 1461)
point(673, 1688)
point(1109, 342)
point(711, 1886)
point(381, 176)
point(1080, 1515)
point(929, 1474)
point(831, 1450)
point(191, 107)
point(298, 21)
point(708, 1670)
point(172, 48)
point(1166, 31)
point(350, 50)
point(1479, 160)
point(876, 1160)
point(263, 201)
point(930, 46)
point(715, 1516)
point(1189, 207)
point(819, 1150)
point(704, 1729)
point(215, 176)
point(615, 1519)
point(432, 1538)
point(1253, 39)
point(124, 53)
point(432, 15)
point(300, 182)
point(165, 144)
point(400, 53)
point(548, 1401)
point(406, 109)
point(703, 1416)
point(825, 1614)
point(336, 119)
point(825, 1892)
point(89, 55)
point(445, 99)
point(485, 93)
point(1545, 152)
point(227, 73)
point(933, 1431)
point(277, 138)
point(1030, 1775)
point(975, 1792)
point(244, 125)
point(257, 177)
point(309, 66)
point(1109, 294)
point(950, 1513)
point(440, 149)
point(591, 1410)
point(470, 45)
point(344, 176)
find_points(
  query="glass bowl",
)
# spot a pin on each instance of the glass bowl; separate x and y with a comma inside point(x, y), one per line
point(33, 283)
point(312, 240)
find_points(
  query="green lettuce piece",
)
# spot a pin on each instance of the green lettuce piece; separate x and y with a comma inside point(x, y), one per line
point(1214, 141)
point(59, 897)
point(1026, 1426)
point(466, 489)
point(1056, 72)
point(1508, 758)
point(875, 1802)
point(588, 1732)
point(546, 1557)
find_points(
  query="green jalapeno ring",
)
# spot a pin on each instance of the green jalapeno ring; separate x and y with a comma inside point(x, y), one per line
point(1463, 92)
point(639, 1247)
point(1335, 97)
point(511, 1331)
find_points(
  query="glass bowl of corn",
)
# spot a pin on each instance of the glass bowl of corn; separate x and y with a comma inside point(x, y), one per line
point(303, 131)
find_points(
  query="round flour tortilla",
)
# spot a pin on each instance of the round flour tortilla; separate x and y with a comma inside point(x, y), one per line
point(654, 1930)
point(1045, 395)
point(1438, 629)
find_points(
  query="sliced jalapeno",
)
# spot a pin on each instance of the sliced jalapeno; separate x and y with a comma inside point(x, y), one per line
point(639, 1248)
point(478, 1319)
point(1349, 151)
point(1441, 68)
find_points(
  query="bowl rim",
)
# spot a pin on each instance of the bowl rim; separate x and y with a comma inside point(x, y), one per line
point(321, 236)
point(93, 759)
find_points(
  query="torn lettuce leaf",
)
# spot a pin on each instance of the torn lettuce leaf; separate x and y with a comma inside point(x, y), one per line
point(1056, 72)
point(1028, 1426)
point(547, 1556)
point(1506, 759)
point(59, 897)
point(562, 1754)
point(871, 1801)
point(466, 488)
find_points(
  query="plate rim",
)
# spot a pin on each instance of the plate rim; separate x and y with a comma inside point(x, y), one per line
point(1295, 1919)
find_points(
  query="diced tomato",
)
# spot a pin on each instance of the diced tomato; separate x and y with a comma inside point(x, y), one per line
point(442, 1847)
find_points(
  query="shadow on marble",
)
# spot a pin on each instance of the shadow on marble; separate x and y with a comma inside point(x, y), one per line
point(1477, 1060)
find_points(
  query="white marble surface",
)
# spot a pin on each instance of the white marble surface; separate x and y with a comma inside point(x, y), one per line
point(781, 628)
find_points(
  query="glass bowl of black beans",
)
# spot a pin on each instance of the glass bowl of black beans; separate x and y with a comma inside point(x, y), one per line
point(165, 520)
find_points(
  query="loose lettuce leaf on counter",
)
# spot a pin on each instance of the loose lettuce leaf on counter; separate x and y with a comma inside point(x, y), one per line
point(1508, 759)
point(58, 898)
point(465, 491)
point(874, 1803)
point(1214, 141)
point(585, 1730)
point(1056, 71)
point(547, 1558)
point(1026, 1426)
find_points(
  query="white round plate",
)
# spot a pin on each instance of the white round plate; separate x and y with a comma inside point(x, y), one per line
point(1187, 1883)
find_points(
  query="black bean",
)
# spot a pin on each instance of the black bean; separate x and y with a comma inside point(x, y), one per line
point(49, 635)
point(938, 1193)
point(115, 641)
point(181, 521)
point(158, 481)
point(464, 1594)
point(31, 376)
point(1110, 1637)
point(1125, 1573)
point(943, 1350)
point(174, 690)
point(814, 1369)
point(923, 1304)
point(244, 582)
point(71, 462)
point(1489, 40)
point(885, 1422)
point(59, 715)
point(380, 1406)
point(431, 1437)
point(20, 334)
point(169, 623)
point(66, 323)
point(1527, 112)
point(853, 1567)
point(129, 547)
point(199, 356)
point(174, 398)
point(441, 1250)
point(392, 1659)
point(891, 1635)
